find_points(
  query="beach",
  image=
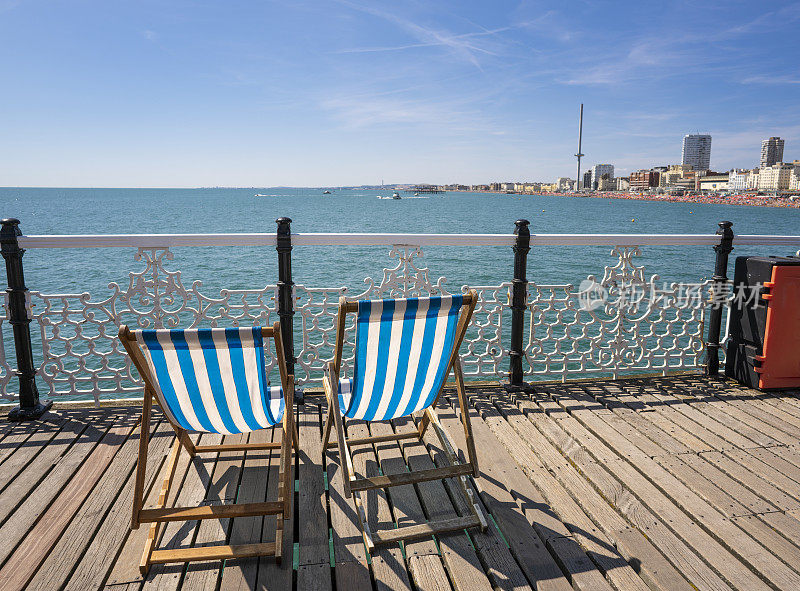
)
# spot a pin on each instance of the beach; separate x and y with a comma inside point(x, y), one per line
point(738, 199)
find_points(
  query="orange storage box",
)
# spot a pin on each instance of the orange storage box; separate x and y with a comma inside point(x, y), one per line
point(780, 361)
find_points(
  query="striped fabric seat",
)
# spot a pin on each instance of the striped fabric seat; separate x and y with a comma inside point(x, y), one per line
point(402, 351)
point(212, 380)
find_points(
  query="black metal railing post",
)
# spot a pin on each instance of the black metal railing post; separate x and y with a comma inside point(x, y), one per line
point(519, 303)
point(286, 296)
point(29, 405)
point(723, 249)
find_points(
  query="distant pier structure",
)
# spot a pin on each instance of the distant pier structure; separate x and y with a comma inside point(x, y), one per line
point(424, 189)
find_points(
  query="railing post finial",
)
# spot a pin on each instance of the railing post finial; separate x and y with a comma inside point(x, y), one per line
point(29, 405)
point(723, 249)
point(519, 303)
point(286, 295)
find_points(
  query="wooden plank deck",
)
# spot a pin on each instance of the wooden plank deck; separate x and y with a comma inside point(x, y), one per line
point(649, 483)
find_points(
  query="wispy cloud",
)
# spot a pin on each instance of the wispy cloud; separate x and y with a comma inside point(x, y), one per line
point(6, 5)
point(361, 112)
point(440, 40)
point(466, 46)
point(780, 79)
point(769, 21)
point(150, 35)
point(551, 24)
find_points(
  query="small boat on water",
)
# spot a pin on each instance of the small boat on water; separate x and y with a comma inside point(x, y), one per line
point(260, 195)
point(326, 192)
point(395, 195)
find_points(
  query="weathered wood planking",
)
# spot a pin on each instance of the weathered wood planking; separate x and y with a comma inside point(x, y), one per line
point(388, 564)
point(95, 512)
point(349, 555)
point(222, 491)
point(653, 478)
point(242, 573)
point(422, 556)
point(37, 494)
point(271, 574)
point(567, 549)
point(314, 561)
point(93, 568)
point(680, 478)
point(36, 546)
point(458, 554)
point(495, 463)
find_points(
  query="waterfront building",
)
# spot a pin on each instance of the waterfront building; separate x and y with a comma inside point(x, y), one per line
point(737, 179)
point(598, 170)
point(696, 151)
point(713, 183)
point(565, 183)
point(587, 180)
point(674, 173)
point(775, 177)
point(752, 178)
point(606, 183)
point(494, 186)
point(771, 151)
point(668, 178)
point(623, 183)
point(643, 180)
point(794, 180)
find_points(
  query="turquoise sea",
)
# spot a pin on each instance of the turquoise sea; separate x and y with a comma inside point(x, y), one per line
point(107, 211)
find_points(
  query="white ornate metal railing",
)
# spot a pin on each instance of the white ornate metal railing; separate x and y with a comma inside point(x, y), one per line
point(622, 322)
point(661, 329)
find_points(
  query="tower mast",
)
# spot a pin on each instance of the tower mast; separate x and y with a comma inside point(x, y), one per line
point(579, 155)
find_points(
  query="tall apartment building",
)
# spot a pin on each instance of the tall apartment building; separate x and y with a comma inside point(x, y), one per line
point(771, 151)
point(696, 151)
point(598, 170)
point(587, 180)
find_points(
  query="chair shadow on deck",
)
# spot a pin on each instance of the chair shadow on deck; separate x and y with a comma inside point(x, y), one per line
point(518, 522)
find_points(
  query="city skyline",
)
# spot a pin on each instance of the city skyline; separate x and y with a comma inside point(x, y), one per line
point(317, 94)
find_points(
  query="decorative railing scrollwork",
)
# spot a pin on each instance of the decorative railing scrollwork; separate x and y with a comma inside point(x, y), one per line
point(624, 321)
point(621, 323)
point(80, 354)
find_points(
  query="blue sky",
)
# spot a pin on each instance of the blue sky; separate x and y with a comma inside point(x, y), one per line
point(177, 93)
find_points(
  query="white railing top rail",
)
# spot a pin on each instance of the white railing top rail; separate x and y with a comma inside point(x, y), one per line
point(376, 239)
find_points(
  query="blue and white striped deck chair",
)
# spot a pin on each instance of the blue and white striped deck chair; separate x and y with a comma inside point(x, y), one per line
point(211, 381)
point(404, 351)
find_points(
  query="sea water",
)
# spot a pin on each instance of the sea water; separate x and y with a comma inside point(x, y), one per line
point(216, 210)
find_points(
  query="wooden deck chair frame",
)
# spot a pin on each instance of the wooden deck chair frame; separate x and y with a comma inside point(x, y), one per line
point(354, 485)
point(159, 514)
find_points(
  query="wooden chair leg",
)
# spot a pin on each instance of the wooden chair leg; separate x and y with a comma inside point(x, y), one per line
point(465, 420)
point(141, 463)
point(152, 538)
point(326, 434)
point(345, 462)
